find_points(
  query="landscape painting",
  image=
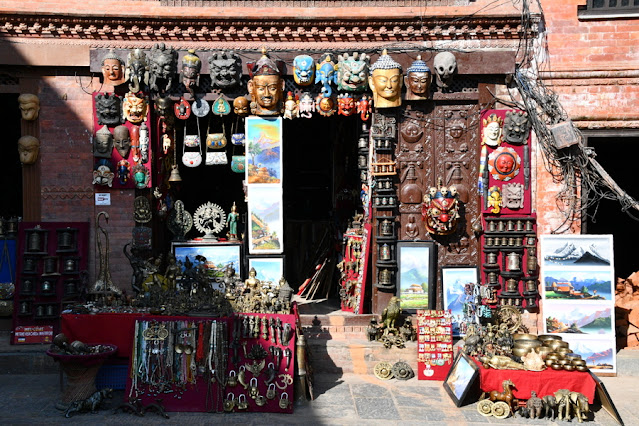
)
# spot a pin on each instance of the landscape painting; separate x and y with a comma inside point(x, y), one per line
point(270, 269)
point(578, 318)
point(599, 354)
point(264, 150)
point(215, 258)
point(416, 281)
point(576, 250)
point(454, 281)
point(265, 219)
point(578, 285)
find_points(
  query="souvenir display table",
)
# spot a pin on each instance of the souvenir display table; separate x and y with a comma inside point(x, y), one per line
point(545, 382)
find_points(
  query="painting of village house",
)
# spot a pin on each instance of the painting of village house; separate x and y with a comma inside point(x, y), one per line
point(264, 150)
point(266, 222)
point(577, 277)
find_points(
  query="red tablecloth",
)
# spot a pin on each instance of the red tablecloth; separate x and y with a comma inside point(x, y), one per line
point(545, 382)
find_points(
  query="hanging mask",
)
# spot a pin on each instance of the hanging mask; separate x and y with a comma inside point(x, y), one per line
point(364, 107)
point(122, 140)
point(103, 143)
point(141, 176)
point(241, 106)
point(182, 109)
point(137, 70)
point(345, 105)
point(103, 173)
point(162, 67)
point(307, 105)
point(325, 105)
point(326, 75)
point(107, 109)
point(303, 70)
point(504, 163)
point(516, 127)
point(440, 210)
point(163, 106)
point(191, 66)
point(291, 107)
point(134, 108)
point(124, 172)
point(352, 72)
point(225, 69)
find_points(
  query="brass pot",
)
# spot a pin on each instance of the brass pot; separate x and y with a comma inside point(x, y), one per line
point(524, 336)
point(521, 351)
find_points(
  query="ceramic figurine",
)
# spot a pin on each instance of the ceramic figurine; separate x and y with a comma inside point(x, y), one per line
point(516, 127)
point(325, 105)
point(304, 70)
point(163, 67)
point(445, 65)
point(134, 108)
point(28, 149)
point(191, 66)
point(364, 107)
point(440, 210)
point(266, 86)
point(241, 106)
point(103, 173)
point(29, 106)
point(124, 172)
point(346, 105)
point(352, 72)
point(225, 69)
point(386, 82)
point(307, 105)
point(417, 80)
point(112, 69)
point(103, 143)
point(107, 109)
point(137, 70)
point(291, 107)
point(491, 131)
point(326, 75)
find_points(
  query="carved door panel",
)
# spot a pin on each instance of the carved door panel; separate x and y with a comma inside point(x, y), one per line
point(439, 142)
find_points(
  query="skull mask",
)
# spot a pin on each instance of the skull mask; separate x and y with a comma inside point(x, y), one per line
point(440, 210)
point(445, 67)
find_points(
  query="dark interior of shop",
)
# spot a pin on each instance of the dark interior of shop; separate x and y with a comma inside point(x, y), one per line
point(11, 171)
point(607, 216)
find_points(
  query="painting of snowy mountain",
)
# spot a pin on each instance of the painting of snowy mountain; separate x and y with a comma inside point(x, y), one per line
point(576, 250)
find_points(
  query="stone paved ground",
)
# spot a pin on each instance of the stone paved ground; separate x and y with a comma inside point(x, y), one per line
point(340, 400)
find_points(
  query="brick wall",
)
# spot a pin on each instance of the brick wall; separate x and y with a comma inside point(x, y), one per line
point(66, 127)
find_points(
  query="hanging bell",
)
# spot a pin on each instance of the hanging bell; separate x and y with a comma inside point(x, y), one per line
point(175, 175)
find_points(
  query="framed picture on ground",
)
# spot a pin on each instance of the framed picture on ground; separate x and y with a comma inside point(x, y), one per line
point(216, 257)
point(461, 378)
point(416, 280)
point(604, 398)
point(455, 280)
point(267, 268)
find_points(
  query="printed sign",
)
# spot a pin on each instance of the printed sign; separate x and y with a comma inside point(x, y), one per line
point(33, 334)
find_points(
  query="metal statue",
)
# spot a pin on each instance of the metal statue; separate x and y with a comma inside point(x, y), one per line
point(225, 69)
point(28, 149)
point(352, 72)
point(29, 106)
point(266, 86)
point(233, 218)
point(137, 70)
point(103, 282)
point(209, 218)
point(179, 221)
point(386, 82)
point(163, 67)
point(107, 109)
point(142, 209)
point(535, 405)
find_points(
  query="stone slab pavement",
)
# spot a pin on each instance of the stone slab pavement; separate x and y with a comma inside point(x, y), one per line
point(340, 400)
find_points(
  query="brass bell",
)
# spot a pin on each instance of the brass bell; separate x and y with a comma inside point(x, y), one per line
point(175, 175)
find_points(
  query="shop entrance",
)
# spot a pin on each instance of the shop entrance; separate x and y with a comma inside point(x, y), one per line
point(321, 191)
point(11, 170)
point(607, 217)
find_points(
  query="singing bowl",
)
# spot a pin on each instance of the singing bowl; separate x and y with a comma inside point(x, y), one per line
point(564, 352)
point(521, 351)
point(572, 356)
point(578, 362)
point(523, 343)
point(557, 366)
point(581, 368)
point(524, 336)
point(548, 337)
point(556, 344)
point(569, 367)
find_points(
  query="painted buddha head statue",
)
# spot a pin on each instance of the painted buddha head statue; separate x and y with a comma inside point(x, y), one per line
point(386, 82)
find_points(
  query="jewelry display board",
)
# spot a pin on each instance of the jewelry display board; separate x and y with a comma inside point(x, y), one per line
point(178, 360)
point(51, 257)
point(353, 280)
point(434, 344)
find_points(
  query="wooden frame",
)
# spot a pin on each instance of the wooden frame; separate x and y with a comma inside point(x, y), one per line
point(454, 279)
point(416, 277)
point(604, 398)
point(264, 150)
point(268, 268)
point(460, 378)
point(266, 219)
point(218, 255)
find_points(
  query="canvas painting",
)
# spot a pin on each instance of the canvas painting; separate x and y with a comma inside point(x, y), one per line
point(264, 150)
point(266, 223)
point(416, 282)
point(460, 378)
point(267, 268)
point(218, 256)
point(600, 354)
point(454, 281)
point(576, 250)
point(578, 285)
point(596, 318)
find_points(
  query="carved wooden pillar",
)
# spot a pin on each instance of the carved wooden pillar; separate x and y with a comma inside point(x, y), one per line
point(31, 208)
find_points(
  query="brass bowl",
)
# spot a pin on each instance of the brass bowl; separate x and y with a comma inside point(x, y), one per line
point(556, 344)
point(572, 356)
point(521, 351)
point(563, 362)
point(548, 337)
point(549, 362)
point(557, 366)
point(581, 368)
point(578, 362)
point(569, 367)
point(553, 356)
point(566, 352)
point(524, 336)
point(524, 343)
point(543, 351)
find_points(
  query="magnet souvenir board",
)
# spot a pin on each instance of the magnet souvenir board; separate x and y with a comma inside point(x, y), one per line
point(355, 261)
point(577, 277)
point(123, 160)
point(505, 166)
point(434, 344)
